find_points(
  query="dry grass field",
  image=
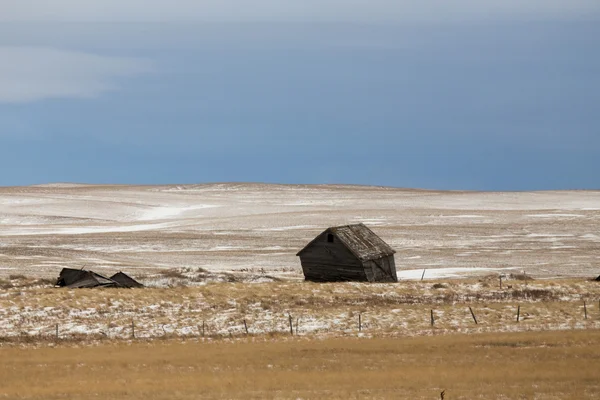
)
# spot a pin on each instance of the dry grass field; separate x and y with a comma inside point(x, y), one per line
point(528, 365)
point(30, 311)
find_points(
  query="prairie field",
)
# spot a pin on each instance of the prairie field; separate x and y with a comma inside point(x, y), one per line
point(525, 365)
point(31, 312)
point(494, 301)
point(255, 230)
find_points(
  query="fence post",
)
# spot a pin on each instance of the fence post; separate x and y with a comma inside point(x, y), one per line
point(473, 315)
point(518, 312)
point(584, 309)
point(246, 327)
point(56, 331)
point(359, 321)
point(291, 325)
point(297, 324)
point(500, 276)
point(432, 320)
point(132, 329)
point(422, 276)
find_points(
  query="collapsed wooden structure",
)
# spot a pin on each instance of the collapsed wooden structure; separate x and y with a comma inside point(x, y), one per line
point(79, 278)
point(348, 253)
point(125, 280)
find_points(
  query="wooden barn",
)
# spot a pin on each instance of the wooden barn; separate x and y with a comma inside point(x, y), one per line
point(348, 253)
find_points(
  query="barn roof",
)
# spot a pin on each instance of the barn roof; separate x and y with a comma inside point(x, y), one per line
point(79, 278)
point(125, 280)
point(360, 240)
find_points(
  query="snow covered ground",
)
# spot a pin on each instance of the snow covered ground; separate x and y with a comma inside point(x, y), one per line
point(258, 228)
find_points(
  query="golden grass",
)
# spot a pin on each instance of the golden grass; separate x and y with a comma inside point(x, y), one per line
point(541, 365)
point(31, 314)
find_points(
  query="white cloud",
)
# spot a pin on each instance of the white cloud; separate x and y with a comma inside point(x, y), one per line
point(269, 10)
point(35, 73)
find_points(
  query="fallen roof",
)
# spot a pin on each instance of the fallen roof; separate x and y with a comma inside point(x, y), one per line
point(79, 278)
point(125, 280)
point(360, 240)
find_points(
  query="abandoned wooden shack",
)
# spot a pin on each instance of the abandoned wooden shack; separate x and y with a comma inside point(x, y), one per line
point(79, 278)
point(348, 253)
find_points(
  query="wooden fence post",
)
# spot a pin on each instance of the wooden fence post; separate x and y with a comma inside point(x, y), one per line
point(432, 320)
point(297, 324)
point(473, 315)
point(518, 312)
point(359, 322)
point(132, 329)
point(500, 276)
point(246, 327)
point(56, 331)
point(584, 309)
point(422, 276)
point(291, 325)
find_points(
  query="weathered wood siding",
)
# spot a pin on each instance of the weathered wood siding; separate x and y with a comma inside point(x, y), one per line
point(325, 261)
point(381, 270)
point(392, 263)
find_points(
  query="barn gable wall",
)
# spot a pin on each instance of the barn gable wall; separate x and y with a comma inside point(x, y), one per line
point(327, 261)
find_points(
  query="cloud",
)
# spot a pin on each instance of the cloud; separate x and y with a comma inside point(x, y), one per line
point(302, 10)
point(30, 74)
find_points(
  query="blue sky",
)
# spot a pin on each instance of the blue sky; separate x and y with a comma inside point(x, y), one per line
point(495, 95)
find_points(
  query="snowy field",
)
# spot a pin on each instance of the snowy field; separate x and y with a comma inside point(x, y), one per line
point(257, 229)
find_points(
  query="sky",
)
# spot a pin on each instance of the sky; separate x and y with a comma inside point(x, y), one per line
point(437, 94)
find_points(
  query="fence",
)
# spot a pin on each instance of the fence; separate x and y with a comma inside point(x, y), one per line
point(409, 320)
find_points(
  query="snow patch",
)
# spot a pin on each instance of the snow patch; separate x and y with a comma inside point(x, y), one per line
point(162, 212)
point(286, 228)
point(439, 273)
point(462, 216)
point(555, 215)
